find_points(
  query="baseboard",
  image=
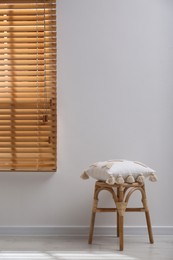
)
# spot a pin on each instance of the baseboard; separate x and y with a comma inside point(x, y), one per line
point(82, 230)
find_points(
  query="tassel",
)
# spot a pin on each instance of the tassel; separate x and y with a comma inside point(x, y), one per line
point(110, 180)
point(84, 176)
point(130, 179)
point(119, 179)
point(140, 178)
point(153, 177)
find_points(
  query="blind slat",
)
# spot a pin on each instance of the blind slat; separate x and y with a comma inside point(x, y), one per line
point(13, 40)
point(27, 1)
point(35, 29)
point(40, 36)
point(28, 18)
point(27, 51)
point(33, 22)
point(32, 5)
point(27, 67)
point(36, 12)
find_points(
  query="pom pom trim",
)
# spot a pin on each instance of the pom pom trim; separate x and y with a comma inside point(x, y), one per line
point(84, 176)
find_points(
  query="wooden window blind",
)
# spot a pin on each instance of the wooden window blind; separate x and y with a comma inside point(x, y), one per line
point(28, 85)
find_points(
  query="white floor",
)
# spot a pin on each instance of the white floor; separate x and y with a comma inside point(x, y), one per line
point(76, 248)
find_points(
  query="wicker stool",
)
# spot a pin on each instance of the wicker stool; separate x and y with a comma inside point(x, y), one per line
point(121, 194)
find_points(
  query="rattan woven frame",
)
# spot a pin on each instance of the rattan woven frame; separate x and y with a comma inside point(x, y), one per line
point(121, 194)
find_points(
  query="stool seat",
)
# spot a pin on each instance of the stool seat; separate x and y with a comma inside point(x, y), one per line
point(121, 194)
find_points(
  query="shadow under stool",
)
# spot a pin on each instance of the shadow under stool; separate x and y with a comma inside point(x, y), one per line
point(121, 194)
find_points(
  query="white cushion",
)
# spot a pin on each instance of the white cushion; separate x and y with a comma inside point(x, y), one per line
point(119, 171)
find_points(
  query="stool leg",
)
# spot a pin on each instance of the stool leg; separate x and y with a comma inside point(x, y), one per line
point(147, 215)
point(121, 233)
point(121, 207)
point(117, 224)
point(117, 215)
point(91, 231)
point(150, 233)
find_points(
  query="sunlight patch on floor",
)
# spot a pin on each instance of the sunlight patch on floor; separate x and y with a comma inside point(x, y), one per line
point(65, 255)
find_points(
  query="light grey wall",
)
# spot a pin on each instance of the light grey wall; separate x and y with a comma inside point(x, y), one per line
point(115, 64)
